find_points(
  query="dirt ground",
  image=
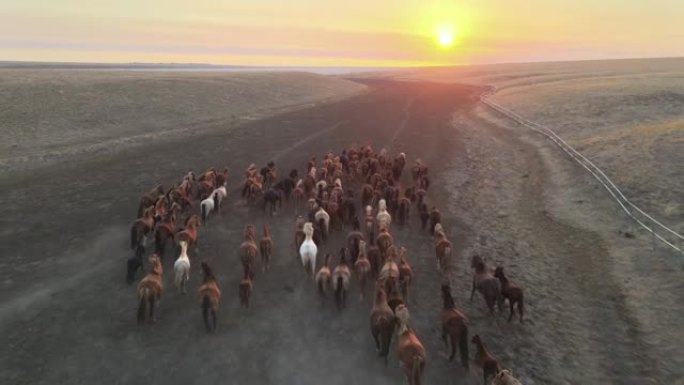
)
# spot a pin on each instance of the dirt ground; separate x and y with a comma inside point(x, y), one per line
point(596, 313)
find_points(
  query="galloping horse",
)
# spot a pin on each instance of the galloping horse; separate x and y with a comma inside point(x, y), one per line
point(486, 284)
point(324, 278)
point(454, 326)
point(363, 268)
point(341, 278)
point(308, 250)
point(164, 231)
point(511, 292)
point(189, 232)
point(272, 197)
point(149, 199)
point(141, 227)
point(248, 250)
point(485, 360)
point(209, 295)
point(411, 352)
point(181, 268)
point(382, 322)
point(266, 248)
point(150, 289)
point(405, 274)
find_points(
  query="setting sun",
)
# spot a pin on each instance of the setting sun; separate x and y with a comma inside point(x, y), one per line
point(446, 38)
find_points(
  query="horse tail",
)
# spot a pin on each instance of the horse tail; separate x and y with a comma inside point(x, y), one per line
point(463, 346)
point(415, 369)
point(142, 301)
point(206, 306)
point(204, 213)
point(339, 292)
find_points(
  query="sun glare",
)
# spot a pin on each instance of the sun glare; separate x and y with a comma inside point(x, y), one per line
point(446, 35)
point(446, 39)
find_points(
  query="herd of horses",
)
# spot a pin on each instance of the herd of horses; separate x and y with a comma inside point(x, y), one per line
point(363, 214)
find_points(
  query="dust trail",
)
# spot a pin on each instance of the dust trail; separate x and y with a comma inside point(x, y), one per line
point(90, 260)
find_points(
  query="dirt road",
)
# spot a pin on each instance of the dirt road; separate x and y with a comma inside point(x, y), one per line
point(67, 316)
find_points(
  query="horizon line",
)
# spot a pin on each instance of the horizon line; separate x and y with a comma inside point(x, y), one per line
point(18, 63)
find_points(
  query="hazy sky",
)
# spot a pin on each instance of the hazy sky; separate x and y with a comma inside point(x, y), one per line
point(338, 33)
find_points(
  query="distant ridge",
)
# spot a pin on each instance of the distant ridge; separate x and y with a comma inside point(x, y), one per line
point(185, 67)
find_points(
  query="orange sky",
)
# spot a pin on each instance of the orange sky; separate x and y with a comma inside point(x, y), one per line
point(338, 33)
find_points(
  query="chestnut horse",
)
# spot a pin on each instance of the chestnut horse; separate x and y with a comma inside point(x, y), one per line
point(245, 288)
point(149, 290)
point(189, 232)
point(266, 248)
point(324, 278)
point(454, 326)
point(149, 199)
point(510, 292)
point(164, 232)
point(141, 227)
point(411, 352)
point(486, 284)
point(248, 250)
point(484, 359)
point(382, 322)
point(363, 268)
point(405, 274)
point(209, 295)
point(341, 277)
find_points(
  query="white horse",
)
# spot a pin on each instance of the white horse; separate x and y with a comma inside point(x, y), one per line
point(505, 377)
point(182, 268)
point(384, 218)
point(308, 250)
point(210, 204)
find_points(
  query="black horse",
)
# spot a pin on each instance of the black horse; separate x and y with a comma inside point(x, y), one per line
point(271, 197)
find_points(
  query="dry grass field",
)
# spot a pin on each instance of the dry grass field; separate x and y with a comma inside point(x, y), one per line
point(47, 115)
point(626, 115)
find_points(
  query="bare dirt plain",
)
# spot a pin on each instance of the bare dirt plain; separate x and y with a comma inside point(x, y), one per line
point(601, 309)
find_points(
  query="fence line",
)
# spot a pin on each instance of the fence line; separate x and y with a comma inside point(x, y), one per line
point(594, 170)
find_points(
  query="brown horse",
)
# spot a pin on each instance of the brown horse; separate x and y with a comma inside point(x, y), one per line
point(248, 250)
point(164, 232)
point(245, 288)
point(374, 256)
point(382, 322)
point(141, 227)
point(266, 248)
point(404, 208)
point(411, 352)
point(354, 239)
point(424, 215)
point(443, 248)
point(484, 359)
point(486, 284)
point(189, 232)
point(150, 289)
point(324, 278)
point(341, 278)
point(148, 199)
point(384, 241)
point(209, 296)
point(435, 218)
point(454, 326)
point(405, 274)
point(363, 268)
point(510, 292)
